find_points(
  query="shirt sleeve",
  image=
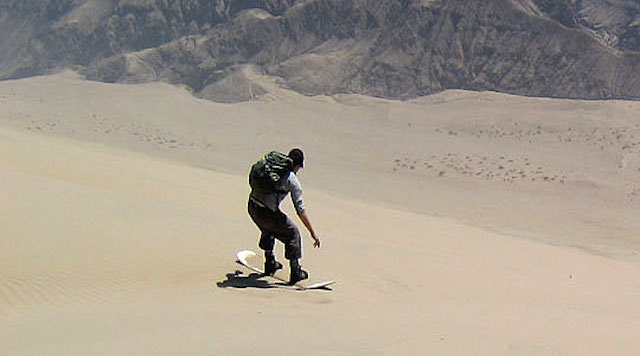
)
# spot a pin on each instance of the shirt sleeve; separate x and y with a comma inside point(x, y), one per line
point(296, 193)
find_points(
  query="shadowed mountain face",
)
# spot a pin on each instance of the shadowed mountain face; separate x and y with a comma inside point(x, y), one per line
point(387, 48)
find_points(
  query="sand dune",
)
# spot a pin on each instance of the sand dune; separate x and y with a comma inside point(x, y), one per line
point(123, 207)
point(569, 168)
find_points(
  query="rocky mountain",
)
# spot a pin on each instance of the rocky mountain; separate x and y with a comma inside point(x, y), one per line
point(387, 48)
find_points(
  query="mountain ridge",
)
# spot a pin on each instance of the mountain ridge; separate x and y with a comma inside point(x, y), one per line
point(398, 49)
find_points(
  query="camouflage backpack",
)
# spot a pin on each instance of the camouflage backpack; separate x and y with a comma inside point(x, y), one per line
point(267, 174)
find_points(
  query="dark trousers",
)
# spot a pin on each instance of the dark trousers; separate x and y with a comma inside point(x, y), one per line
point(276, 225)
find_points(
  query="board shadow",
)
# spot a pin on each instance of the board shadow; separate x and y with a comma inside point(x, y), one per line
point(253, 280)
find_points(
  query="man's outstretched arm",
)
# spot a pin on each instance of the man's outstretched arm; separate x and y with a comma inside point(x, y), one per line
point(307, 223)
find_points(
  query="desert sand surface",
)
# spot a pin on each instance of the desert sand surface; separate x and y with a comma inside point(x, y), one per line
point(460, 223)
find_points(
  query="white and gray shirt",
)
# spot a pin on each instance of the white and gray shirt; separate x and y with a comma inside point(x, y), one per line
point(272, 200)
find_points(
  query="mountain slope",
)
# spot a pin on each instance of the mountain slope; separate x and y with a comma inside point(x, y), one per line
point(387, 48)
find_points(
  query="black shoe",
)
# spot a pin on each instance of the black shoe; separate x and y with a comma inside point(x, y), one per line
point(271, 267)
point(297, 275)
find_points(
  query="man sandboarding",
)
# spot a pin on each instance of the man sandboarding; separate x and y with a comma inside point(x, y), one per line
point(271, 180)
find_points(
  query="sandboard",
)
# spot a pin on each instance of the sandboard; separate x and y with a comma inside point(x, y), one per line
point(247, 258)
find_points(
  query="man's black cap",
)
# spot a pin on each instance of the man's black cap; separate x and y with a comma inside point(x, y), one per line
point(297, 156)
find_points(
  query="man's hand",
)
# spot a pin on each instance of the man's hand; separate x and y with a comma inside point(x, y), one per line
point(316, 241)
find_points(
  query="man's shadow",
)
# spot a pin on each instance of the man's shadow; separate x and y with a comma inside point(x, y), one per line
point(238, 280)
